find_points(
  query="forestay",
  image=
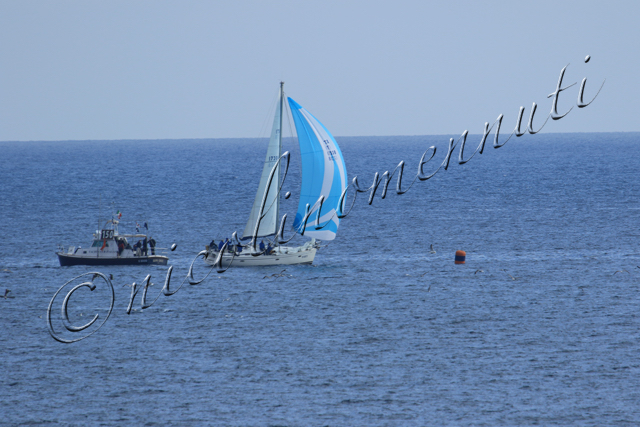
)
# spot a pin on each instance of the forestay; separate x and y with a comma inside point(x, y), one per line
point(271, 207)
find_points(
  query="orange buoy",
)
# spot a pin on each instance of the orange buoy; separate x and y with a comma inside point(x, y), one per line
point(460, 257)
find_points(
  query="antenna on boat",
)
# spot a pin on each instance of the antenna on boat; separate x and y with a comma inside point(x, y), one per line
point(99, 212)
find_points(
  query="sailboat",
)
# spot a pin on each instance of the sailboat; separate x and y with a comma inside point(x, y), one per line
point(322, 191)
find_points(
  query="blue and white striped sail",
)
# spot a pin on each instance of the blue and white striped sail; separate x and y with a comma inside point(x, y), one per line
point(323, 174)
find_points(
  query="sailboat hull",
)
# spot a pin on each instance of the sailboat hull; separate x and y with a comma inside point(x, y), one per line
point(282, 256)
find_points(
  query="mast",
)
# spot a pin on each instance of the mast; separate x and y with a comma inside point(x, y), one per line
point(281, 106)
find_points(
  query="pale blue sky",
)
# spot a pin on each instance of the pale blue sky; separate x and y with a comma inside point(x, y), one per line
point(206, 69)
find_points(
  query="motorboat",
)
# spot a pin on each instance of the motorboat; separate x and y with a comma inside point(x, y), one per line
point(109, 247)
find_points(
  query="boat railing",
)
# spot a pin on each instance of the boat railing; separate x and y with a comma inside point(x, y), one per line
point(62, 250)
point(159, 251)
point(275, 250)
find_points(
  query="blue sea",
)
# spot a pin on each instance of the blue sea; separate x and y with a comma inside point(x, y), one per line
point(540, 326)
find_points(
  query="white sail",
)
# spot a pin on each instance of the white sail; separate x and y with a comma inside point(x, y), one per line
point(271, 208)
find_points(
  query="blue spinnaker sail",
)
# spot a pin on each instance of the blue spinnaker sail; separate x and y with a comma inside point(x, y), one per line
point(323, 174)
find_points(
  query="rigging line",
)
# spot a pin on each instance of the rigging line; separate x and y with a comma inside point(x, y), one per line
point(294, 139)
point(292, 135)
point(263, 133)
point(279, 182)
point(266, 123)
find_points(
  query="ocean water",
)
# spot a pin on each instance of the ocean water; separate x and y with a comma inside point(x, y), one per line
point(540, 326)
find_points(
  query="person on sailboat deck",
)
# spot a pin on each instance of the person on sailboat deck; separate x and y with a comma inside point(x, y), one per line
point(261, 245)
point(213, 245)
point(152, 244)
point(269, 250)
point(220, 245)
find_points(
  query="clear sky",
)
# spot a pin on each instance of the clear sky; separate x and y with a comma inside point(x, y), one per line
point(210, 69)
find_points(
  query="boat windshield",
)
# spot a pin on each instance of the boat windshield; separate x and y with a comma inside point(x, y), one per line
point(99, 243)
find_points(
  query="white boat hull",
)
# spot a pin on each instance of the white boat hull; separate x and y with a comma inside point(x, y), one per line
point(280, 256)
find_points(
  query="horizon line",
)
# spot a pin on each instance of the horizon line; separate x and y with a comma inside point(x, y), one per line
point(257, 138)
